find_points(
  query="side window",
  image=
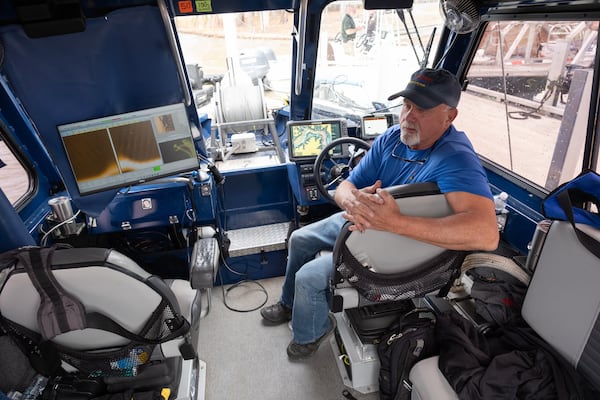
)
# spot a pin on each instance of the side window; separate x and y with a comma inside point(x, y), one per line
point(15, 181)
point(527, 103)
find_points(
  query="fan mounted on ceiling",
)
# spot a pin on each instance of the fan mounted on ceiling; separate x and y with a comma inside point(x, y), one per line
point(460, 16)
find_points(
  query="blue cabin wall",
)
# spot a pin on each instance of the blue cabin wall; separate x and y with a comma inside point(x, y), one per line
point(122, 62)
point(12, 230)
point(256, 197)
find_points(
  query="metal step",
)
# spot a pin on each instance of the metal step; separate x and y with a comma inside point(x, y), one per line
point(257, 239)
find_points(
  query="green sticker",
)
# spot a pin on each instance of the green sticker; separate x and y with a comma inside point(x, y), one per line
point(203, 6)
point(157, 168)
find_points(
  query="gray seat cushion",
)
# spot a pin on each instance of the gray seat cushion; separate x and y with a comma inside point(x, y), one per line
point(563, 300)
point(428, 381)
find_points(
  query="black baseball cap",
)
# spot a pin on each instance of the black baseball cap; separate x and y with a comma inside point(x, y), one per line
point(429, 88)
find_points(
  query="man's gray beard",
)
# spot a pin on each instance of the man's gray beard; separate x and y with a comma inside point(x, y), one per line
point(410, 140)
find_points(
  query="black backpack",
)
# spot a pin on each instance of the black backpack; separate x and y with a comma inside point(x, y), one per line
point(408, 340)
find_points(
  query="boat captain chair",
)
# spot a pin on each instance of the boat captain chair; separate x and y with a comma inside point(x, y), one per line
point(105, 317)
point(375, 266)
point(376, 276)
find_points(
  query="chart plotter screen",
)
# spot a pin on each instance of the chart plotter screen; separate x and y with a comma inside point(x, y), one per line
point(306, 139)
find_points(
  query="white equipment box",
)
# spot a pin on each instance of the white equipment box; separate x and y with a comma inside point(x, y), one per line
point(243, 143)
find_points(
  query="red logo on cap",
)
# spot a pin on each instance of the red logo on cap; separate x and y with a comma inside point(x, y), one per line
point(421, 80)
point(424, 78)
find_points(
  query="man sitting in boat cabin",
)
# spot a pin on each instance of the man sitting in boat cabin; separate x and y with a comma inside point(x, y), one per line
point(424, 147)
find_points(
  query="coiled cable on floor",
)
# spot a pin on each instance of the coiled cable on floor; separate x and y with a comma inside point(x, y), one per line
point(225, 292)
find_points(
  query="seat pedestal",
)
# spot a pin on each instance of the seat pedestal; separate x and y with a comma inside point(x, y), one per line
point(357, 362)
point(357, 331)
point(192, 384)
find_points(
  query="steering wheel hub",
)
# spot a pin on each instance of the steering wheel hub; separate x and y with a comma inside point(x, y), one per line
point(335, 162)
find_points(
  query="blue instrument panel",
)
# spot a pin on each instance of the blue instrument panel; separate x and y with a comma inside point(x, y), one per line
point(149, 206)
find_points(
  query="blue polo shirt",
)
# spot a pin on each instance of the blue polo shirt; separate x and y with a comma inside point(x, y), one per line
point(451, 162)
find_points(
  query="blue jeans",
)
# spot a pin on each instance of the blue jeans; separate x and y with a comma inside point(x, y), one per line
point(307, 279)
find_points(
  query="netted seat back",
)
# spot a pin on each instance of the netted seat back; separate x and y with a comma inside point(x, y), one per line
point(383, 266)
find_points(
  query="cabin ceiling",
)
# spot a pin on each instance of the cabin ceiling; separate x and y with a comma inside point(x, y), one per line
point(13, 11)
point(536, 6)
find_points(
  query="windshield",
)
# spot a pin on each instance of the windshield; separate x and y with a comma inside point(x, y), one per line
point(354, 76)
point(254, 46)
point(367, 55)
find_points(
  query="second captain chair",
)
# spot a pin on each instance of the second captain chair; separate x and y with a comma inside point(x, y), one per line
point(103, 318)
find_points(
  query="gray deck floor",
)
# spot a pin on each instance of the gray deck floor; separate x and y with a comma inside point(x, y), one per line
point(246, 359)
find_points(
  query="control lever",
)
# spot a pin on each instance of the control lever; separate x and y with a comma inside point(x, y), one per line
point(219, 178)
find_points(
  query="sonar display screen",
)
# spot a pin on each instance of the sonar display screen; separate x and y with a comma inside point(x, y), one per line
point(130, 148)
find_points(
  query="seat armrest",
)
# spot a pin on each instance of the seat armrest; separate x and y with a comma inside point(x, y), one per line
point(204, 263)
point(413, 190)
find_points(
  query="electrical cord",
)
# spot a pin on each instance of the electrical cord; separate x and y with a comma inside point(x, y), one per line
point(146, 242)
point(224, 249)
point(384, 109)
point(219, 180)
point(446, 51)
point(217, 176)
point(55, 227)
point(531, 114)
point(225, 292)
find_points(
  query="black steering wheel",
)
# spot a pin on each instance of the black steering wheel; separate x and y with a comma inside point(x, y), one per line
point(334, 163)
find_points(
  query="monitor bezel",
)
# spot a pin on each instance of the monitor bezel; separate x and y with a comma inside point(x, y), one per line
point(389, 117)
point(291, 124)
point(187, 164)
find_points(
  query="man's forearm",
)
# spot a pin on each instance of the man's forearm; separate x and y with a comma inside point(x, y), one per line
point(463, 231)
